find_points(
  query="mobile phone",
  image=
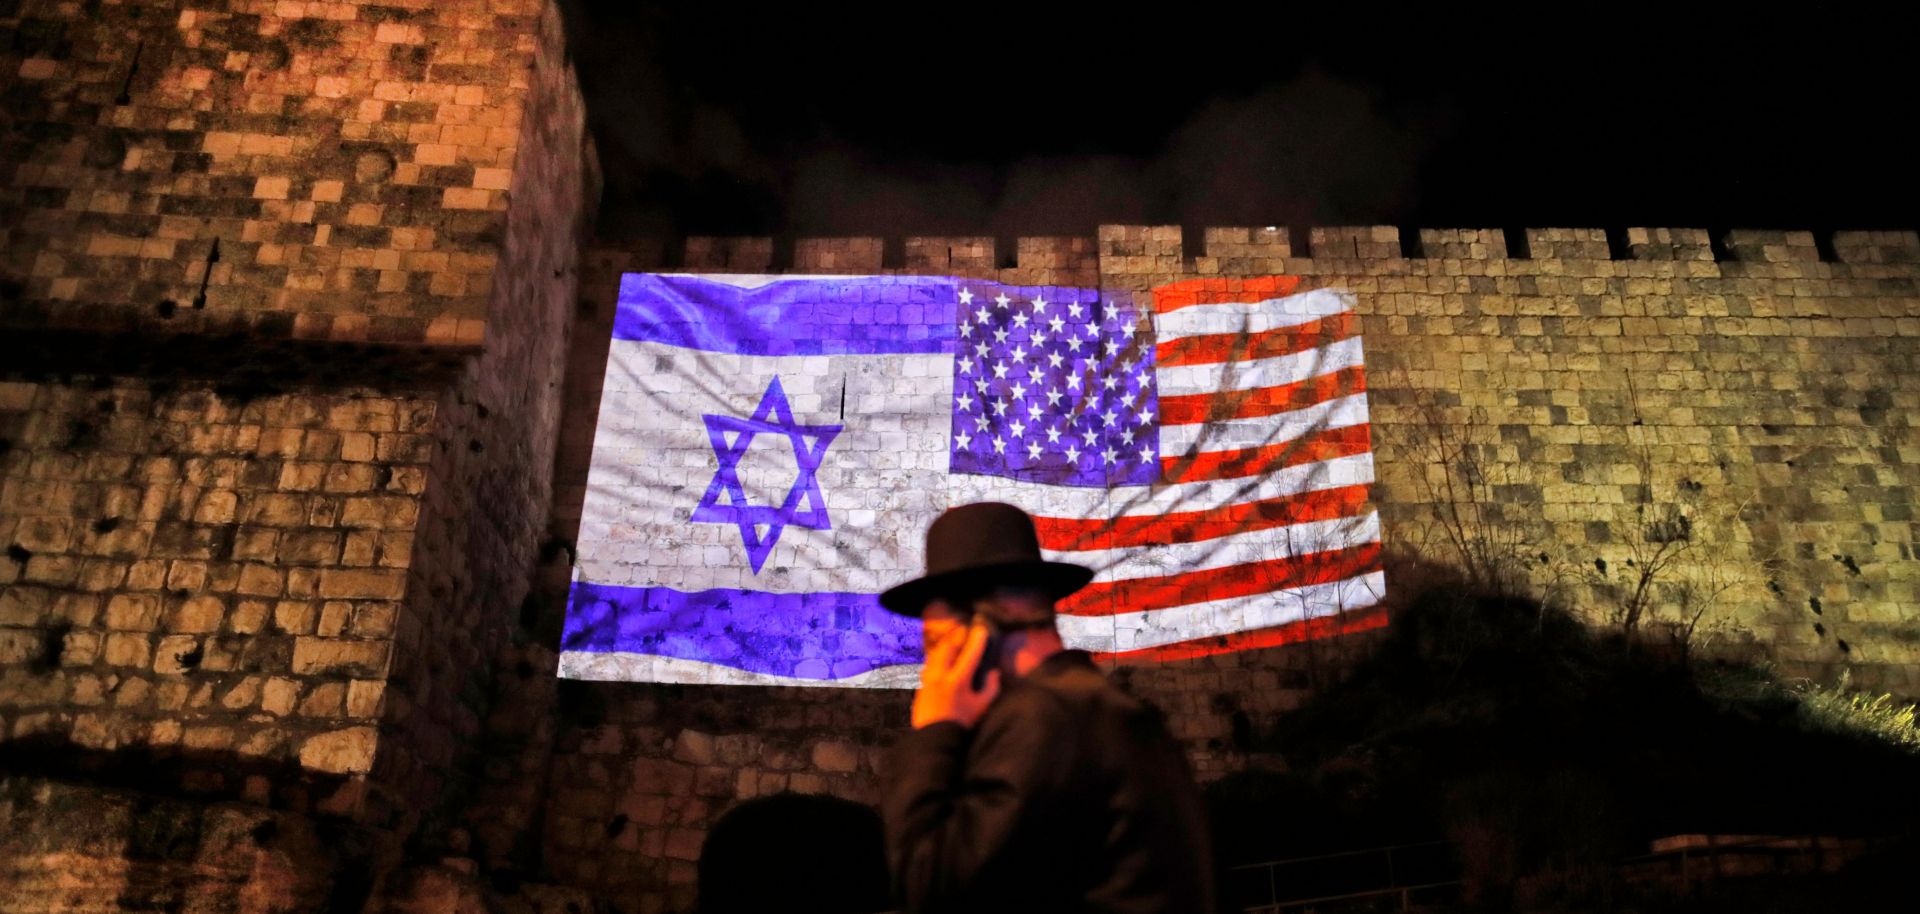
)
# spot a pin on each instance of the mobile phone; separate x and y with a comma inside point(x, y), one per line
point(989, 657)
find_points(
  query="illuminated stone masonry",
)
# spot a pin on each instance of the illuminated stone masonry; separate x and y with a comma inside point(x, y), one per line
point(1756, 384)
point(284, 293)
point(299, 405)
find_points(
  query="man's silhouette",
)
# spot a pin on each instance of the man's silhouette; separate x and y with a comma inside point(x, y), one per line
point(1037, 785)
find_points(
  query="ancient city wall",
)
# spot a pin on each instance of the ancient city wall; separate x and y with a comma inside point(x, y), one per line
point(285, 296)
point(298, 382)
point(1567, 406)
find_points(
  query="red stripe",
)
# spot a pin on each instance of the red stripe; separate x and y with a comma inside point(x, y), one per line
point(1065, 534)
point(1214, 348)
point(1189, 292)
point(1324, 444)
point(1187, 409)
point(1360, 620)
point(1105, 598)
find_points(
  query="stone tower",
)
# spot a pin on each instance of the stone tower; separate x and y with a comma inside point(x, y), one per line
point(284, 300)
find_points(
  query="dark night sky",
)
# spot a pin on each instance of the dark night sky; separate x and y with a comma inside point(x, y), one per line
point(816, 119)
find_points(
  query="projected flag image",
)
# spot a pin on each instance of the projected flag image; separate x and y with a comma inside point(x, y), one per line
point(770, 451)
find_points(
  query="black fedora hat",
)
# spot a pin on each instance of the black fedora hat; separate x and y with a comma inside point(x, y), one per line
point(981, 545)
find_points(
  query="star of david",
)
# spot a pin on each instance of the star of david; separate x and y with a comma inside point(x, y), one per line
point(726, 500)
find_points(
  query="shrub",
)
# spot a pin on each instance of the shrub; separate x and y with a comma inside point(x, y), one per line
point(1839, 710)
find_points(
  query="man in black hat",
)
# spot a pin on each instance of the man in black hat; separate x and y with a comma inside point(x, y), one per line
point(1037, 786)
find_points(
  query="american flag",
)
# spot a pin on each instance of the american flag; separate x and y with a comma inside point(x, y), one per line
point(771, 449)
point(1221, 438)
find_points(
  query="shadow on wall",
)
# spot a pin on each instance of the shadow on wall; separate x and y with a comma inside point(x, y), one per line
point(1545, 753)
point(797, 853)
point(199, 775)
point(142, 829)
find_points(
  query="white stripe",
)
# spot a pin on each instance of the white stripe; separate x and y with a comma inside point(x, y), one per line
point(1260, 431)
point(1146, 501)
point(1155, 627)
point(622, 666)
point(1251, 317)
point(1234, 549)
point(756, 280)
point(1214, 377)
point(885, 549)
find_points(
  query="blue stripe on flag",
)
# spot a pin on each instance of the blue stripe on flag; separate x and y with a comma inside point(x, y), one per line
point(815, 315)
point(803, 635)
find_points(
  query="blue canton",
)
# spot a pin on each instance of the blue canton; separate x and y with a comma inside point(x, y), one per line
point(1054, 385)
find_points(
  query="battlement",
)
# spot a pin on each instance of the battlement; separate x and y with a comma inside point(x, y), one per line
point(1158, 249)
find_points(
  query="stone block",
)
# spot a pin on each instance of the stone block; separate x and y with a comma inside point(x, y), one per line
point(835, 755)
point(374, 620)
point(310, 547)
point(375, 584)
point(243, 694)
point(326, 699)
point(18, 645)
point(684, 844)
point(24, 606)
point(249, 616)
point(364, 698)
point(346, 751)
point(178, 654)
point(81, 648)
point(713, 781)
point(295, 617)
point(333, 657)
point(334, 615)
point(278, 695)
point(198, 615)
point(257, 544)
point(59, 571)
point(694, 748)
point(380, 512)
point(129, 649)
point(186, 575)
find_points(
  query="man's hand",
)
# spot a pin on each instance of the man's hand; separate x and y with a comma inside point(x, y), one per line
point(946, 688)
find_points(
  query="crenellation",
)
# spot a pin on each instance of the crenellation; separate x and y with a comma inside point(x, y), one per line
point(1689, 245)
point(1568, 244)
point(1066, 255)
point(1878, 247)
point(964, 256)
point(1462, 244)
point(728, 254)
point(1244, 250)
point(837, 255)
point(1375, 242)
point(1140, 249)
point(1750, 246)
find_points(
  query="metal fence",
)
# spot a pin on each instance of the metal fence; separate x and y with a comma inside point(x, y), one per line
point(1394, 878)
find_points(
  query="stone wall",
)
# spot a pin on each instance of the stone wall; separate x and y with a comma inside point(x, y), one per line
point(350, 159)
point(296, 366)
point(1597, 387)
point(205, 579)
point(485, 515)
point(283, 300)
point(90, 849)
